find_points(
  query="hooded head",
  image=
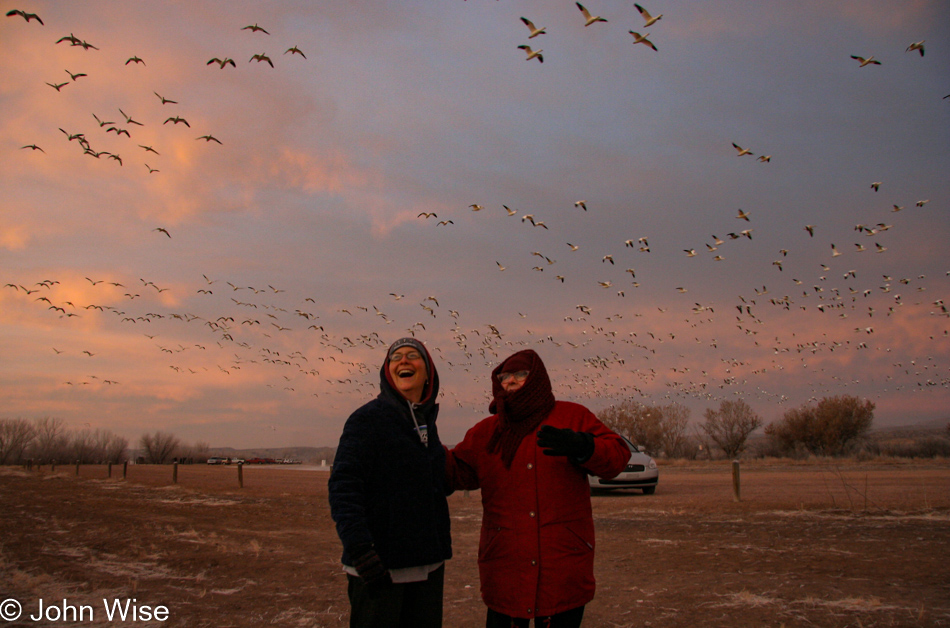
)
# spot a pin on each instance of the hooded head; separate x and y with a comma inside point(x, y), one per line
point(534, 396)
point(409, 371)
point(520, 411)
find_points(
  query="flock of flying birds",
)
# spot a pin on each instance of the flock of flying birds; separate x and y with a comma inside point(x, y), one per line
point(302, 347)
point(589, 19)
point(123, 127)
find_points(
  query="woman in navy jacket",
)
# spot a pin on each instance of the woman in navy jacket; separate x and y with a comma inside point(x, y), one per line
point(387, 496)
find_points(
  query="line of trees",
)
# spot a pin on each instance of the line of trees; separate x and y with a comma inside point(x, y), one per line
point(834, 426)
point(665, 429)
point(164, 448)
point(48, 439)
point(652, 428)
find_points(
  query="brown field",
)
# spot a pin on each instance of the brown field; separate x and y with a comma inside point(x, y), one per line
point(810, 544)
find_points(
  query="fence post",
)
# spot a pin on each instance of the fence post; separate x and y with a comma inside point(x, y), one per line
point(175, 473)
point(125, 469)
point(735, 480)
point(241, 474)
point(110, 470)
point(77, 467)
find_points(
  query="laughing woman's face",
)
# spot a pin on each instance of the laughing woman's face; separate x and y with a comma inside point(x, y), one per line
point(407, 368)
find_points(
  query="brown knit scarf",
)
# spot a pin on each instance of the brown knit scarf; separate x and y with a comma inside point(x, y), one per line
point(521, 411)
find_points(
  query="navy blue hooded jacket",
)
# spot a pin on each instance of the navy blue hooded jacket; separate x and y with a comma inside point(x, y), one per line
point(387, 488)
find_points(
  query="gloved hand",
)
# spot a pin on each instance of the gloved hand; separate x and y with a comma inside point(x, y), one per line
point(579, 446)
point(371, 569)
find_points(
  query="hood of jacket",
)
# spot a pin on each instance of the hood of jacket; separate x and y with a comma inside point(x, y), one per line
point(389, 393)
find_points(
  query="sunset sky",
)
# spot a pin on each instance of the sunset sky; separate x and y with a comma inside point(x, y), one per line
point(294, 252)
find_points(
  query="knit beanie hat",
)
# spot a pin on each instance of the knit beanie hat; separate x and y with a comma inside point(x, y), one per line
point(520, 411)
point(415, 344)
point(431, 377)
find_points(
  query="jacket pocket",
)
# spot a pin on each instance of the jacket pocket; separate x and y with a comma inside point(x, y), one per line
point(567, 566)
point(572, 538)
point(587, 543)
point(494, 544)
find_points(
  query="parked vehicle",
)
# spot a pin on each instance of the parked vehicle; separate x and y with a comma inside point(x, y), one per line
point(641, 472)
point(217, 460)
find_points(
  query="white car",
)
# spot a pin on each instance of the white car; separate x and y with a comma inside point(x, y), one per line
point(641, 472)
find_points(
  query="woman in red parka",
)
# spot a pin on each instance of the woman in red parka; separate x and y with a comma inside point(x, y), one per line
point(531, 459)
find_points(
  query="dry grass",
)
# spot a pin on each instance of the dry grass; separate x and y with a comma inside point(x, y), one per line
point(745, 598)
point(791, 553)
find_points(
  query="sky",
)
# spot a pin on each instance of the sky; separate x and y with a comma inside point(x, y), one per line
point(224, 253)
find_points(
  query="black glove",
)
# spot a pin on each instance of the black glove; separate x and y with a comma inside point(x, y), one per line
point(371, 569)
point(579, 446)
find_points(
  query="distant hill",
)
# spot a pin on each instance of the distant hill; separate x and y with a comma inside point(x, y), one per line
point(932, 424)
point(935, 427)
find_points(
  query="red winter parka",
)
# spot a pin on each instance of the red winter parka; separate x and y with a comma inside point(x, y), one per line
point(536, 552)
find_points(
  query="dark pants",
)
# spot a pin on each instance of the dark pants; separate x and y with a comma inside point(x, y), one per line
point(567, 619)
point(405, 605)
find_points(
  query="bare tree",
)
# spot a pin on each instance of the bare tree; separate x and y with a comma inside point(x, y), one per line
point(112, 447)
point(730, 426)
point(704, 444)
point(194, 453)
point(690, 448)
point(159, 447)
point(51, 442)
point(98, 446)
point(643, 425)
point(674, 424)
point(201, 451)
point(15, 436)
point(83, 447)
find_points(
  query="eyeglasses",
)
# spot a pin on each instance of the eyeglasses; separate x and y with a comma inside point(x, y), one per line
point(410, 355)
point(518, 376)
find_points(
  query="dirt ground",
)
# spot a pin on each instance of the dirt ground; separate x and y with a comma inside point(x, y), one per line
point(809, 544)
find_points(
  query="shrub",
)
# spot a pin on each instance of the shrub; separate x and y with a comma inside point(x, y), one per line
point(831, 428)
point(925, 447)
